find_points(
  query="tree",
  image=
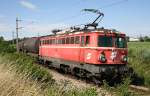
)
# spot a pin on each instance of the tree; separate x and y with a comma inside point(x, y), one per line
point(1, 38)
point(141, 39)
point(147, 39)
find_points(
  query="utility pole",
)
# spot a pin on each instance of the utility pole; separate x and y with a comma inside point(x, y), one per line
point(17, 30)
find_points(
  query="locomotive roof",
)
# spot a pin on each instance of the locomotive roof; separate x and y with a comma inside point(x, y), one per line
point(101, 31)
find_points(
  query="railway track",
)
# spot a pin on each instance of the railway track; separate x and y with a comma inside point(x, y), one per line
point(141, 90)
point(77, 83)
point(83, 83)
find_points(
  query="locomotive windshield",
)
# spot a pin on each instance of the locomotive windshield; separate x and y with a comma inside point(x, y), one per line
point(120, 42)
point(109, 41)
point(105, 41)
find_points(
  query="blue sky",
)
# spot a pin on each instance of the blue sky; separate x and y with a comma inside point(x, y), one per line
point(41, 16)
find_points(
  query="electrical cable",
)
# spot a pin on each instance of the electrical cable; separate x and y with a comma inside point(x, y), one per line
point(106, 6)
point(65, 19)
point(113, 4)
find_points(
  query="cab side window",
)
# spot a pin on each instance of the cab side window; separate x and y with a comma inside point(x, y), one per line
point(87, 41)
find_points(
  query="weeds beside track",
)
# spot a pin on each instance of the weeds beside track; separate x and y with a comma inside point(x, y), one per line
point(20, 76)
point(23, 66)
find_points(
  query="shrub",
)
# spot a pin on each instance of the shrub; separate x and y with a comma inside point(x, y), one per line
point(5, 47)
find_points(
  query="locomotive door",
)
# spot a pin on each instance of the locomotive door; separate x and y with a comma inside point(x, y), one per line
point(84, 43)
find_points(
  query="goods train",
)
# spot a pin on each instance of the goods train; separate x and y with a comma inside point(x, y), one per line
point(88, 52)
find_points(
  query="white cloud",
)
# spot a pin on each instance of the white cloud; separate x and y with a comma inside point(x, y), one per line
point(28, 5)
point(29, 30)
point(42, 28)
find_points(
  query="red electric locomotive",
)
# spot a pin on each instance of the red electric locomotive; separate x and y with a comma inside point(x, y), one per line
point(98, 53)
point(89, 52)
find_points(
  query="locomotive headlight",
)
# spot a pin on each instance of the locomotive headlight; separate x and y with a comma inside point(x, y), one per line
point(124, 58)
point(102, 58)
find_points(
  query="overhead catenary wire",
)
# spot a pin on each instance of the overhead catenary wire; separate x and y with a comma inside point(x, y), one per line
point(103, 7)
point(70, 7)
point(113, 4)
point(72, 17)
point(68, 18)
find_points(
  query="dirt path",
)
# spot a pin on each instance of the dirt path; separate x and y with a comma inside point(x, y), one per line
point(76, 83)
point(59, 77)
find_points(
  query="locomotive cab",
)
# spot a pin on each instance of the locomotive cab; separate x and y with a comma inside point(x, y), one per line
point(105, 48)
point(114, 48)
point(107, 51)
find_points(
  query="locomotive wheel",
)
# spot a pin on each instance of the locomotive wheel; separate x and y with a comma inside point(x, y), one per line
point(96, 81)
point(114, 81)
point(78, 73)
point(48, 64)
point(64, 69)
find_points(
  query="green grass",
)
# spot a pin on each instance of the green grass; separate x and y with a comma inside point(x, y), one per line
point(26, 65)
point(121, 89)
point(139, 59)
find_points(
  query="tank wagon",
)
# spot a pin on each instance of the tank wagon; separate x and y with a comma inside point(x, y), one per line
point(29, 45)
